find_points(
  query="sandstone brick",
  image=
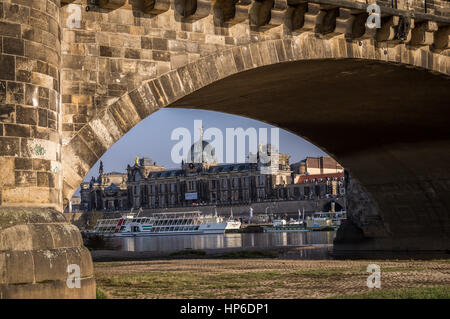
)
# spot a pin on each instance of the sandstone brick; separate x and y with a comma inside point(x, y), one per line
point(85, 156)
point(65, 235)
point(92, 141)
point(23, 163)
point(17, 130)
point(13, 46)
point(132, 53)
point(124, 114)
point(142, 108)
point(7, 65)
point(26, 115)
point(161, 55)
point(255, 54)
point(82, 257)
point(178, 60)
point(227, 60)
point(39, 164)
point(158, 92)
point(238, 59)
point(167, 88)
point(25, 178)
point(50, 265)
point(10, 29)
point(14, 93)
point(19, 265)
point(9, 146)
point(203, 72)
point(6, 167)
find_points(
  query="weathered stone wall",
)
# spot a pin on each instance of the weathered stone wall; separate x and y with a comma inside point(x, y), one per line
point(30, 145)
point(437, 7)
point(36, 243)
point(36, 247)
point(115, 51)
point(121, 44)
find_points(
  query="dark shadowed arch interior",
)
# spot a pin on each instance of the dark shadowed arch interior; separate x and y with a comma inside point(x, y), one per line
point(387, 124)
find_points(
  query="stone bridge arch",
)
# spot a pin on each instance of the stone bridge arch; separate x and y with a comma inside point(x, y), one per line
point(206, 84)
point(102, 131)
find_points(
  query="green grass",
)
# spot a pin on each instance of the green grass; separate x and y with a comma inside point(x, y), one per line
point(187, 284)
point(438, 292)
point(100, 294)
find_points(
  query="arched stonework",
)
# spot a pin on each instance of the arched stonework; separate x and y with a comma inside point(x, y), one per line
point(117, 119)
point(83, 151)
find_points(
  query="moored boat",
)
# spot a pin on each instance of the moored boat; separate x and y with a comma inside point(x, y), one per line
point(178, 223)
point(325, 220)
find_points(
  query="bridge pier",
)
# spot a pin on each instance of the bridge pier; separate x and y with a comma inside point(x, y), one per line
point(36, 247)
point(371, 234)
point(36, 242)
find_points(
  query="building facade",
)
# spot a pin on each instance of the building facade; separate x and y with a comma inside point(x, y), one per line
point(205, 182)
point(106, 192)
point(200, 180)
point(314, 178)
point(316, 186)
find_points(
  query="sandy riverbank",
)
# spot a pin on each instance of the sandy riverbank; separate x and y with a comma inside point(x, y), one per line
point(263, 278)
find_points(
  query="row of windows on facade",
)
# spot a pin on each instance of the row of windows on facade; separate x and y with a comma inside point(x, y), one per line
point(192, 185)
point(224, 197)
point(142, 198)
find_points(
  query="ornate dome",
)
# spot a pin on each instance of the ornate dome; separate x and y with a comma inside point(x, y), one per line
point(202, 154)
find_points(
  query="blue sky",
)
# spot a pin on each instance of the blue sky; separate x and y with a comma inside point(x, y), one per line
point(152, 138)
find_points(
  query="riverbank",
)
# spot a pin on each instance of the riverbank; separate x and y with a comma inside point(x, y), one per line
point(270, 278)
point(283, 252)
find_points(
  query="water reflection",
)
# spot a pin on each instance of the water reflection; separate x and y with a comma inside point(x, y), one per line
point(256, 240)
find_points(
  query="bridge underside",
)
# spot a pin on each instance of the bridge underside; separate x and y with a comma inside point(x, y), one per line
point(387, 124)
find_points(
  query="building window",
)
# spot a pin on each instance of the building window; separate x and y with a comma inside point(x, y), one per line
point(261, 180)
point(306, 191)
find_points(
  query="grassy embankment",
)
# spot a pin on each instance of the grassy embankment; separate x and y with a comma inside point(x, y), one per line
point(271, 278)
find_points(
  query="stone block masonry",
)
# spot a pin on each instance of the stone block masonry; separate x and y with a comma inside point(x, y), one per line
point(30, 117)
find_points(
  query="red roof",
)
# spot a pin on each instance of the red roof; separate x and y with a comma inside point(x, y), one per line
point(303, 178)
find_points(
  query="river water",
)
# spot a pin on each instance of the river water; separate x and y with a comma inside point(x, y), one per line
point(218, 241)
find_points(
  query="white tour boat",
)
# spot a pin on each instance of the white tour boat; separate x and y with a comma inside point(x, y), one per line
point(178, 223)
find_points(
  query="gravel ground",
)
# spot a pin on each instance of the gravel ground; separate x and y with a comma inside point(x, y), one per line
point(261, 278)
